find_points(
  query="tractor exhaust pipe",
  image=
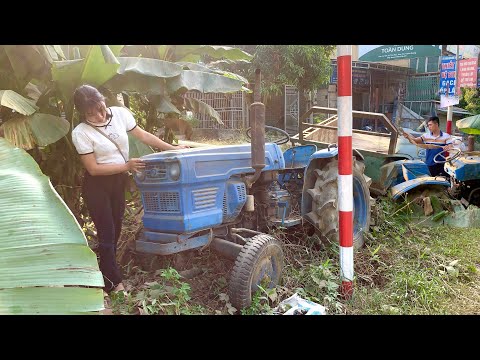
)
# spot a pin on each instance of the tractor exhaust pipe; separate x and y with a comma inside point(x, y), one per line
point(257, 116)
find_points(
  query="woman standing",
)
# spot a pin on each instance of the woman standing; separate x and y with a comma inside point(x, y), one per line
point(101, 140)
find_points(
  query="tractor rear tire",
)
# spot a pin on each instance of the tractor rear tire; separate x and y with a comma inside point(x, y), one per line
point(324, 212)
point(261, 259)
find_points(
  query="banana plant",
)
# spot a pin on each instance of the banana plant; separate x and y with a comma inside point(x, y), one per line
point(98, 66)
point(166, 89)
point(27, 128)
point(24, 79)
point(47, 266)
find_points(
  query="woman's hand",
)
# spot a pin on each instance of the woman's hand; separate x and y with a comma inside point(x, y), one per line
point(182, 147)
point(135, 164)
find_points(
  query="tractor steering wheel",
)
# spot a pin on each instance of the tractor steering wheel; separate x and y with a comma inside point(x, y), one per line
point(283, 140)
point(458, 153)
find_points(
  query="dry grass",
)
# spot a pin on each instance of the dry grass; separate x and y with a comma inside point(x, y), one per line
point(465, 299)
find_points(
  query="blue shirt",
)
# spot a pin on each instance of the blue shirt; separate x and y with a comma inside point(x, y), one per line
point(441, 140)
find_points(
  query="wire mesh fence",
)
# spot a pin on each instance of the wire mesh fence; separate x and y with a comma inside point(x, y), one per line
point(231, 108)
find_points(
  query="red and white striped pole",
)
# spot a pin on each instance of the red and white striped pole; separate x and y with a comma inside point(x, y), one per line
point(345, 180)
point(456, 91)
point(449, 118)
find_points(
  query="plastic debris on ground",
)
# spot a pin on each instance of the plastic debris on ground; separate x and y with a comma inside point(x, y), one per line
point(295, 305)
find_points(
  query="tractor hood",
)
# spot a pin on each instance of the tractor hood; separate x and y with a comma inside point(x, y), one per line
point(464, 168)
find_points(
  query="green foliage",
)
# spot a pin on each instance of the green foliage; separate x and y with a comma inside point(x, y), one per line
point(410, 269)
point(470, 100)
point(320, 285)
point(305, 66)
point(167, 296)
point(60, 162)
point(191, 119)
point(261, 301)
point(318, 118)
point(47, 266)
point(140, 109)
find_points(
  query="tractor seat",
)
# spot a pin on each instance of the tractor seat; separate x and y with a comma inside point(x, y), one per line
point(412, 169)
point(298, 156)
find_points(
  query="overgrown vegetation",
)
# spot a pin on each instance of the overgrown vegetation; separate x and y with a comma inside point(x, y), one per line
point(307, 67)
point(406, 269)
point(403, 269)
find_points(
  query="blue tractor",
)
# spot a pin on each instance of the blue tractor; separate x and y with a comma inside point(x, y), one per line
point(463, 182)
point(229, 197)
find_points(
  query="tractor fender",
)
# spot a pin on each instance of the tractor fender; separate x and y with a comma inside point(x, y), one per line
point(324, 153)
point(400, 189)
point(329, 153)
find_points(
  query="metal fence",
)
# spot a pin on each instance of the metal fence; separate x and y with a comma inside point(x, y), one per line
point(421, 90)
point(231, 108)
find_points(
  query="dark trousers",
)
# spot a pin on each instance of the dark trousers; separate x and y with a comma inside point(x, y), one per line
point(437, 169)
point(105, 200)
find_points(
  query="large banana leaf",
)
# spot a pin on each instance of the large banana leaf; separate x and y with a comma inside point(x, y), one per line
point(165, 106)
point(204, 82)
point(99, 65)
point(144, 51)
point(46, 266)
point(26, 132)
point(193, 66)
point(82, 50)
point(142, 75)
point(200, 107)
point(33, 91)
point(194, 52)
point(136, 83)
point(55, 52)
point(191, 53)
point(29, 61)
point(149, 67)
point(197, 67)
point(17, 102)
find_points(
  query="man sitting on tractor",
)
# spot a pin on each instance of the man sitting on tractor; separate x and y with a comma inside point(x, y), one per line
point(434, 141)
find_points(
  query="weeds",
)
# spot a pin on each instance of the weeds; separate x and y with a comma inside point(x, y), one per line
point(168, 296)
point(403, 268)
point(419, 267)
point(261, 302)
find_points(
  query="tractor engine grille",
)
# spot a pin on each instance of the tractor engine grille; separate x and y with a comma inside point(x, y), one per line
point(161, 202)
point(204, 199)
point(234, 198)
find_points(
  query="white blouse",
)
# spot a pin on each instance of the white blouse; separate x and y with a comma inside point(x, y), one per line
point(87, 140)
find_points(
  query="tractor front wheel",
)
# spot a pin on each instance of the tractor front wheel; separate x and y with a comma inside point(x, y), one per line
point(260, 262)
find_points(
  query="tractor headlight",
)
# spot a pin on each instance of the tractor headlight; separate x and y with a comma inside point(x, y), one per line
point(174, 171)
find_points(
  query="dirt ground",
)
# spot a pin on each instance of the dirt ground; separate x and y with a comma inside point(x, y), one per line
point(205, 271)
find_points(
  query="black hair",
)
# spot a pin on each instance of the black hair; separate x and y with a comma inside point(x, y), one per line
point(85, 98)
point(434, 119)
